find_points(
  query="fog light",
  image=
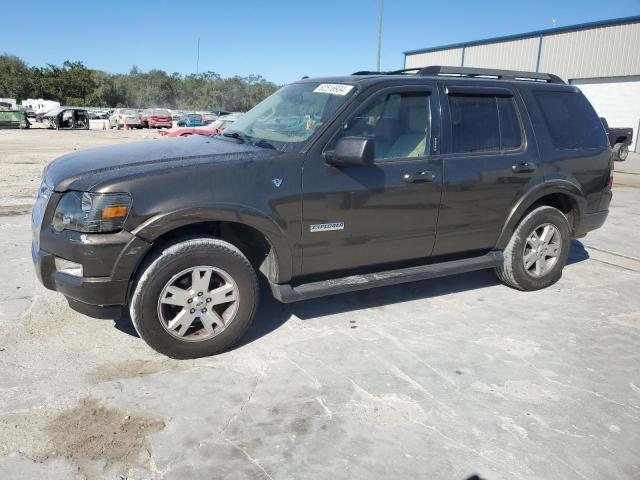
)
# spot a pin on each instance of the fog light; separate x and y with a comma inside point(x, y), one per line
point(70, 268)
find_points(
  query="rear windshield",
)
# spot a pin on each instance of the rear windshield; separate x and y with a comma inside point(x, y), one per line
point(129, 111)
point(161, 113)
point(194, 115)
point(571, 120)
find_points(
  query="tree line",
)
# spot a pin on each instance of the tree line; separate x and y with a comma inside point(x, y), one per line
point(75, 84)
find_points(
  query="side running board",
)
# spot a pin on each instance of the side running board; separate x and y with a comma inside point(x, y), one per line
point(287, 294)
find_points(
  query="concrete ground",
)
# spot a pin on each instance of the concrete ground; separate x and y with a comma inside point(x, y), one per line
point(441, 379)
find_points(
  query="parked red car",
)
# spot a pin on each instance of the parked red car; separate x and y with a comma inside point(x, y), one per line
point(156, 118)
point(210, 130)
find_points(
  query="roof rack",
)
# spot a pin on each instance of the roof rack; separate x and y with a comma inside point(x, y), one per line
point(436, 70)
point(392, 72)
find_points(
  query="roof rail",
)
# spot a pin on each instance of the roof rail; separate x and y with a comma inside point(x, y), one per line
point(436, 70)
point(392, 72)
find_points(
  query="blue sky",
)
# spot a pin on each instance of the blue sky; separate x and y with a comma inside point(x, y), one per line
point(280, 40)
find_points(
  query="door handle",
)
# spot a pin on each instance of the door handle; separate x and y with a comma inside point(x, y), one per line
point(419, 177)
point(524, 167)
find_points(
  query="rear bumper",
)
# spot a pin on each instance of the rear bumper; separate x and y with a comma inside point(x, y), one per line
point(591, 221)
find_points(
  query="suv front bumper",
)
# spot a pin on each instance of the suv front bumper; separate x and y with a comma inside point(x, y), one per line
point(114, 256)
point(91, 290)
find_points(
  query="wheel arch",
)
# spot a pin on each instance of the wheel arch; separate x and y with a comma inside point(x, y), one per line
point(561, 194)
point(259, 237)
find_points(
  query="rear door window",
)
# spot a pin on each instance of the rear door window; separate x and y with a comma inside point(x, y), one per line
point(571, 120)
point(483, 123)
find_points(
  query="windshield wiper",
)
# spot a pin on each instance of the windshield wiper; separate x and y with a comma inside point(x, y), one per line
point(237, 135)
point(264, 144)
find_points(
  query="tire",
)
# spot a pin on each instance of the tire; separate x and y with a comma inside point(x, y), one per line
point(514, 272)
point(620, 152)
point(231, 269)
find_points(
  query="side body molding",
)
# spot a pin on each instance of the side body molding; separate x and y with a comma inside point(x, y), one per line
point(559, 186)
point(158, 225)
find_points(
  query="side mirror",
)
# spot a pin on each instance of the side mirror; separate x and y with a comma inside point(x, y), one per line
point(351, 151)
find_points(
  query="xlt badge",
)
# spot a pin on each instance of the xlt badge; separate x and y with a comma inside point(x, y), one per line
point(326, 227)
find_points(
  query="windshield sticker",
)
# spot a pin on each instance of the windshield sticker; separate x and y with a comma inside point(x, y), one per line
point(333, 88)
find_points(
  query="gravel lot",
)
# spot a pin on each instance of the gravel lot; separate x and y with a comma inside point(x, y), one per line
point(447, 378)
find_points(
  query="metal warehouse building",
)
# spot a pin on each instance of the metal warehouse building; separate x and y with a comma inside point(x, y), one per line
point(602, 58)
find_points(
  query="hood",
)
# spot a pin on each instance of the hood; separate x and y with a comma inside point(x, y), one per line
point(82, 169)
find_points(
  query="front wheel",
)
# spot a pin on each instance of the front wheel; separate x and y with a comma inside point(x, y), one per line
point(195, 298)
point(537, 251)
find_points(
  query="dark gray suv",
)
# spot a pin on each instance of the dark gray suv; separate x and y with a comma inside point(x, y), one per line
point(329, 185)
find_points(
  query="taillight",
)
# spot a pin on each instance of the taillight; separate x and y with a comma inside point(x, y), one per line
point(612, 167)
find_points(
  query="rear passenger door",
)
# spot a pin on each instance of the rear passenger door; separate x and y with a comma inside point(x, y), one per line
point(489, 161)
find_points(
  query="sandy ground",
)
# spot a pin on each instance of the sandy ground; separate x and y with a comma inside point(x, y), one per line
point(448, 378)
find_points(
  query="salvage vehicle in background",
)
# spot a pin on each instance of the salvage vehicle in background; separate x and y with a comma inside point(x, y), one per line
point(191, 120)
point(156, 118)
point(14, 118)
point(125, 116)
point(66, 118)
point(619, 138)
point(391, 178)
point(210, 130)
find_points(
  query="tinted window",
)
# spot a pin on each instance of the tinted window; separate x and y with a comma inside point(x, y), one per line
point(397, 122)
point(571, 121)
point(474, 124)
point(483, 124)
point(510, 133)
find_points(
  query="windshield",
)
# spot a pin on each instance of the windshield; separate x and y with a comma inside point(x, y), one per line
point(287, 119)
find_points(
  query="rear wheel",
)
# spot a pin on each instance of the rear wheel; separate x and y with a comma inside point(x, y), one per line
point(195, 298)
point(537, 251)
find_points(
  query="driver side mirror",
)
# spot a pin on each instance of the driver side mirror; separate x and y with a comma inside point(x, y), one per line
point(351, 151)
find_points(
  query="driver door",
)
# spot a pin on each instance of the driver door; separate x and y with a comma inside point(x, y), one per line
point(387, 212)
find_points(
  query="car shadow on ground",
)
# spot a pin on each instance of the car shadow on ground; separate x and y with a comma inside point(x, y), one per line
point(577, 253)
point(272, 314)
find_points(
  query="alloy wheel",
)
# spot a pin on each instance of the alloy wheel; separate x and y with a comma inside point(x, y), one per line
point(198, 303)
point(542, 250)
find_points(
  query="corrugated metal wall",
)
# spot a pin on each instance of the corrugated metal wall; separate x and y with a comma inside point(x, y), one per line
point(452, 58)
point(597, 52)
point(513, 55)
point(604, 51)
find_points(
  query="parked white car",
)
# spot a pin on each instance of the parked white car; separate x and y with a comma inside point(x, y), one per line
point(125, 116)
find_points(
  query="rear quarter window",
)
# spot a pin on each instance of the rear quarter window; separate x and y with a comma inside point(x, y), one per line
point(571, 120)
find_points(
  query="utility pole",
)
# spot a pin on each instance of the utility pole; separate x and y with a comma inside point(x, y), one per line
point(380, 34)
point(198, 58)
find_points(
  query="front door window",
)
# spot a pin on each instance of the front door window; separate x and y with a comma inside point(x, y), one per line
point(397, 122)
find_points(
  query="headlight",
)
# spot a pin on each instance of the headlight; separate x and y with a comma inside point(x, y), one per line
point(91, 212)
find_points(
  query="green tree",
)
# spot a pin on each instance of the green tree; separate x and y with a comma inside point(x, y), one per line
point(75, 84)
point(15, 81)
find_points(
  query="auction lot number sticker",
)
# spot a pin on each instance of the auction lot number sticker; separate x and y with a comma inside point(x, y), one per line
point(333, 88)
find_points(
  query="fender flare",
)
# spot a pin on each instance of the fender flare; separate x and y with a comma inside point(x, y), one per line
point(558, 186)
point(163, 223)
